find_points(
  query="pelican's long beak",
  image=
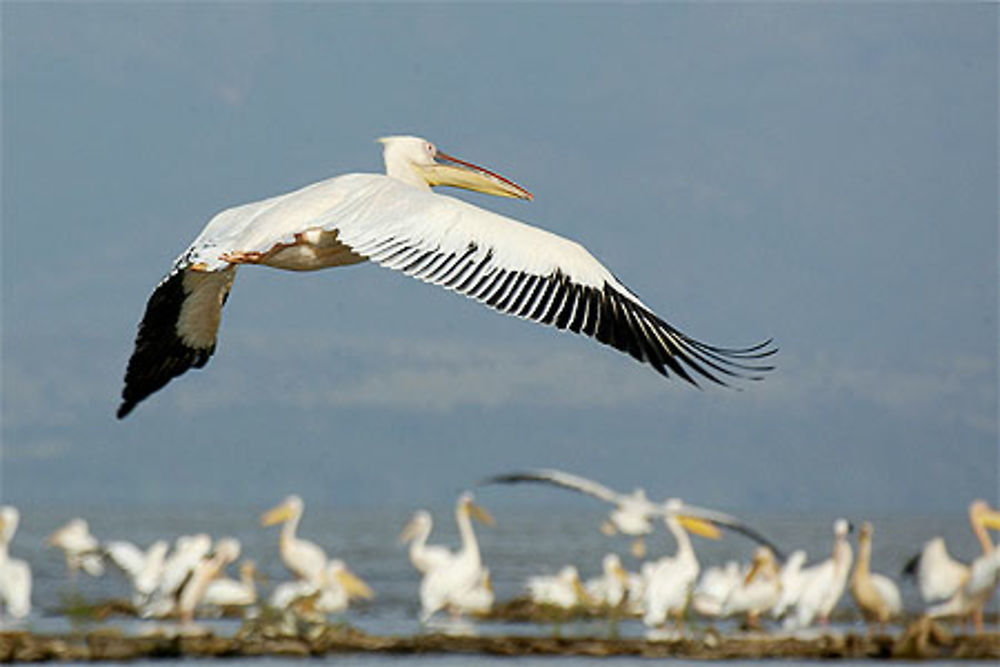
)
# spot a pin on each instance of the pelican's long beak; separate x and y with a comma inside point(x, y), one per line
point(480, 514)
point(990, 518)
point(354, 585)
point(449, 170)
point(276, 515)
point(700, 527)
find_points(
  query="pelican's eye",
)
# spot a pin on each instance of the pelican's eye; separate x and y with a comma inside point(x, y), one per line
point(431, 149)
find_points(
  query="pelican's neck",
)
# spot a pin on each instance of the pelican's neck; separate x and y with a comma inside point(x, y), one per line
point(419, 541)
point(684, 549)
point(400, 168)
point(289, 528)
point(470, 547)
point(863, 566)
point(842, 555)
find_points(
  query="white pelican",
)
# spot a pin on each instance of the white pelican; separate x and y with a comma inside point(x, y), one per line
point(332, 593)
point(714, 586)
point(81, 549)
point(144, 569)
point(338, 587)
point(610, 588)
point(189, 551)
point(824, 583)
point(476, 600)
point(563, 589)
point(423, 556)
point(226, 592)
point(633, 512)
point(672, 578)
point(445, 586)
point(203, 573)
point(396, 221)
point(875, 594)
point(304, 558)
point(758, 590)
point(958, 589)
point(791, 583)
point(15, 574)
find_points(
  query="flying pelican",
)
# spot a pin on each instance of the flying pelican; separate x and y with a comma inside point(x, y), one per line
point(958, 589)
point(15, 574)
point(424, 557)
point(144, 569)
point(463, 572)
point(81, 549)
point(610, 588)
point(305, 559)
point(824, 583)
point(563, 589)
point(396, 221)
point(875, 594)
point(672, 578)
point(226, 592)
point(633, 513)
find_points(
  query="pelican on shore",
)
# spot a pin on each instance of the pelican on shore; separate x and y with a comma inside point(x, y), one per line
point(634, 512)
point(81, 549)
point(188, 552)
point(823, 584)
point(425, 557)
point(446, 586)
point(143, 568)
point(205, 571)
point(876, 595)
point(227, 592)
point(395, 220)
point(672, 578)
point(564, 589)
point(306, 560)
point(15, 574)
point(758, 590)
point(610, 588)
point(954, 588)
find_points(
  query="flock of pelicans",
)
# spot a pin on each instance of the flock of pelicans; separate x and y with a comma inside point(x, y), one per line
point(177, 582)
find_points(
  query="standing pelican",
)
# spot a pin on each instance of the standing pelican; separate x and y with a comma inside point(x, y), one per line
point(758, 590)
point(958, 589)
point(144, 569)
point(424, 557)
point(875, 594)
point(633, 513)
point(445, 586)
point(81, 549)
point(226, 592)
point(305, 559)
point(15, 574)
point(396, 221)
point(824, 583)
point(563, 589)
point(791, 583)
point(672, 578)
point(208, 569)
point(610, 588)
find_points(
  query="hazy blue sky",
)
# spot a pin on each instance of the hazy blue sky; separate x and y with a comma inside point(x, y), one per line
point(823, 174)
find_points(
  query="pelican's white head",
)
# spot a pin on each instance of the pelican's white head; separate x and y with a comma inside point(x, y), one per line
point(419, 163)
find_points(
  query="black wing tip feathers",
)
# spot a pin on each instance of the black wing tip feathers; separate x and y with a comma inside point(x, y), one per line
point(160, 354)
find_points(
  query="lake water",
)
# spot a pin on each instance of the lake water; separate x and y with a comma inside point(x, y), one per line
point(526, 540)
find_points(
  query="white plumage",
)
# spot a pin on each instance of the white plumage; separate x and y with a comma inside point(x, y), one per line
point(824, 583)
point(81, 549)
point(396, 221)
point(563, 589)
point(15, 574)
point(424, 557)
point(305, 559)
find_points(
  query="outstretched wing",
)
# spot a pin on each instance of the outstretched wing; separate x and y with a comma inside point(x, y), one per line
point(557, 478)
point(505, 264)
point(177, 332)
point(727, 521)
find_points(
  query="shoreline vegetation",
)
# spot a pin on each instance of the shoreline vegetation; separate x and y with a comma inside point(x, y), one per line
point(279, 635)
